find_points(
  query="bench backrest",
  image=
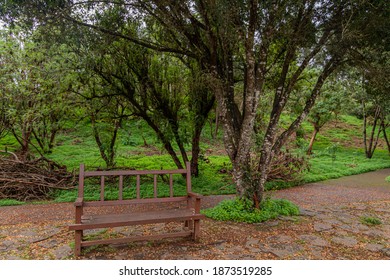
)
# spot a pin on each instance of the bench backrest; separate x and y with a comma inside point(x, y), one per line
point(121, 174)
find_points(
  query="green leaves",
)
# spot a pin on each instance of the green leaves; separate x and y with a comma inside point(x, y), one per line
point(242, 210)
point(32, 91)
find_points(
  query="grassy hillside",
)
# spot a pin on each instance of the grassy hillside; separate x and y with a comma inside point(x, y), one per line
point(337, 152)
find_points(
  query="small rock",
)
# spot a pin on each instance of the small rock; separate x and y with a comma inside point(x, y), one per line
point(361, 227)
point(345, 241)
point(28, 233)
point(346, 227)
point(62, 252)
point(374, 233)
point(284, 250)
point(306, 212)
point(120, 257)
point(322, 226)
point(119, 245)
point(386, 210)
point(288, 218)
point(251, 241)
point(139, 257)
point(333, 222)
point(167, 256)
point(235, 249)
point(12, 257)
point(101, 258)
point(316, 253)
point(374, 247)
point(361, 207)
point(260, 249)
point(386, 251)
point(280, 239)
point(314, 240)
point(345, 218)
point(49, 244)
point(8, 243)
point(271, 223)
point(244, 257)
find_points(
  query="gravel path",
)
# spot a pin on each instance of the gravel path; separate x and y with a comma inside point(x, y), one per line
point(330, 227)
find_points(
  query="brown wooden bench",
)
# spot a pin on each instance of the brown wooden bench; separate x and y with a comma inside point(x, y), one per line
point(155, 209)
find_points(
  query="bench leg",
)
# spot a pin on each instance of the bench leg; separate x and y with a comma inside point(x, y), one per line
point(77, 245)
point(189, 224)
point(196, 230)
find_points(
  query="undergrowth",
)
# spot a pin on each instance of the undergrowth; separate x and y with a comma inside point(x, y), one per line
point(10, 202)
point(370, 221)
point(242, 210)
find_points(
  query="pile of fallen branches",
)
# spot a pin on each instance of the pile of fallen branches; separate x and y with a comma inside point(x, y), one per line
point(287, 167)
point(33, 179)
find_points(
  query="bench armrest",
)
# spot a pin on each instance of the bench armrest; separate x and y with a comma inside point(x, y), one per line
point(79, 201)
point(195, 195)
point(194, 200)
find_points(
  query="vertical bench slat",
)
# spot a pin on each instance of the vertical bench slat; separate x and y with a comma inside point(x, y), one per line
point(138, 186)
point(170, 185)
point(120, 187)
point(102, 188)
point(81, 181)
point(188, 177)
point(155, 186)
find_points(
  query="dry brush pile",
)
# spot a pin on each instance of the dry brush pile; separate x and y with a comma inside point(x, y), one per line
point(33, 179)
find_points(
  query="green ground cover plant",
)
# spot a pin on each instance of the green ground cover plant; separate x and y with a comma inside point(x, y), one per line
point(370, 221)
point(10, 202)
point(240, 210)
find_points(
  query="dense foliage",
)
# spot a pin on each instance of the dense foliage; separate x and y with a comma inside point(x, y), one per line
point(242, 210)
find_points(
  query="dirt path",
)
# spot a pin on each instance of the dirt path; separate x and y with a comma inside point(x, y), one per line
point(367, 187)
point(330, 227)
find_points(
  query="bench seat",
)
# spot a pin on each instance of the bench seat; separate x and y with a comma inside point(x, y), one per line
point(141, 218)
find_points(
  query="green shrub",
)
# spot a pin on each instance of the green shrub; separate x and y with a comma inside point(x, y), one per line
point(370, 221)
point(242, 210)
point(10, 202)
point(387, 179)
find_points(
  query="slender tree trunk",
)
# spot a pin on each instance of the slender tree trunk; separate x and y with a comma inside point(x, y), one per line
point(202, 111)
point(40, 141)
point(385, 136)
point(216, 122)
point(313, 138)
point(24, 140)
point(365, 129)
point(373, 140)
point(99, 142)
point(53, 135)
point(195, 151)
point(167, 144)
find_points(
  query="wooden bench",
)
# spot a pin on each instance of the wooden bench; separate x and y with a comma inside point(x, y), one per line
point(155, 209)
